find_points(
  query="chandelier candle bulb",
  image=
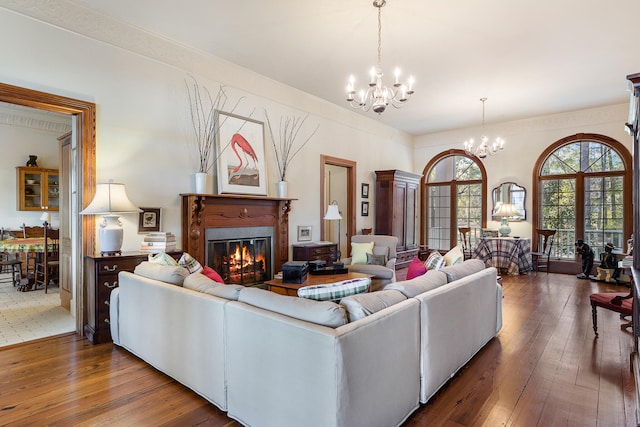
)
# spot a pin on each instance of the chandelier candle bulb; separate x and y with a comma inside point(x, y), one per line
point(397, 73)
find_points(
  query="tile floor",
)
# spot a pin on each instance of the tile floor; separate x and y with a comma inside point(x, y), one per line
point(25, 316)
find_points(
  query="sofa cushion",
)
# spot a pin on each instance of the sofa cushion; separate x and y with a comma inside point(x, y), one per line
point(454, 256)
point(190, 263)
point(212, 274)
point(381, 250)
point(435, 261)
point(362, 305)
point(335, 291)
point(326, 313)
point(464, 269)
point(415, 269)
point(173, 274)
point(201, 283)
point(378, 271)
point(410, 288)
point(162, 258)
point(373, 259)
point(359, 252)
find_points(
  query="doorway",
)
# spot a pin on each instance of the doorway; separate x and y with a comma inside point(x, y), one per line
point(338, 185)
point(83, 175)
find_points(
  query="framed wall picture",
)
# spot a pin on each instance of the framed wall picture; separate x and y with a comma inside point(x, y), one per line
point(304, 233)
point(364, 209)
point(241, 165)
point(149, 220)
point(365, 190)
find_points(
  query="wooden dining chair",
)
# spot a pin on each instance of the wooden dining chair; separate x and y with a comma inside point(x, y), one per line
point(48, 269)
point(31, 258)
point(540, 259)
point(465, 239)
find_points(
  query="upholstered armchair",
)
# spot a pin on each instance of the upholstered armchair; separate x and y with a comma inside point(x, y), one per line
point(378, 259)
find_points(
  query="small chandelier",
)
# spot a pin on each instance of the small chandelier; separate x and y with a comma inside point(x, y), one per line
point(484, 149)
point(378, 96)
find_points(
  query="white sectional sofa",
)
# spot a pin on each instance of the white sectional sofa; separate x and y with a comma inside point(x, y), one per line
point(274, 360)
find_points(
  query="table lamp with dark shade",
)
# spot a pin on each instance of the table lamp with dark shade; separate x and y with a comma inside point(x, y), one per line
point(110, 201)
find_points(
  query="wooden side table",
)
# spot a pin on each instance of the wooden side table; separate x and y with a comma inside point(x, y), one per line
point(101, 277)
point(325, 251)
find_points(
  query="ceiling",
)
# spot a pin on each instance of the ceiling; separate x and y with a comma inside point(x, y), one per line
point(528, 58)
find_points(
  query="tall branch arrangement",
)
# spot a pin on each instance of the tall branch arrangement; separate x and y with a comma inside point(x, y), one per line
point(285, 145)
point(203, 107)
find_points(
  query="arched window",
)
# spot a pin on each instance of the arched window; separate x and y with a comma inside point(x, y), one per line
point(584, 191)
point(454, 195)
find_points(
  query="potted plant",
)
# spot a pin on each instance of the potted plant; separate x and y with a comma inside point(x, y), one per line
point(284, 146)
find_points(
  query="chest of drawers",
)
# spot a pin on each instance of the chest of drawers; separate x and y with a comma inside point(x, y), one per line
point(316, 251)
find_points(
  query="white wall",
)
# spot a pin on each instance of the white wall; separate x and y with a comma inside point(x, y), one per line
point(17, 144)
point(525, 142)
point(143, 125)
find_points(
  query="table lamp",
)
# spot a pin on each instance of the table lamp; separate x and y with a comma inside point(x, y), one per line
point(505, 211)
point(110, 201)
point(333, 214)
point(46, 217)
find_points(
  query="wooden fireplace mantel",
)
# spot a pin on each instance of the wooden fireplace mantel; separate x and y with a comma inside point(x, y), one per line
point(202, 211)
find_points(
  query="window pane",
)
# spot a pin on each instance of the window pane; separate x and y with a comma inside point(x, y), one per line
point(466, 169)
point(469, 209)
point(558, 212)
point(600, 158)
point(442, 171)
point(603, 212)
point(565, 160)
point(459, 168)
point(439, 216)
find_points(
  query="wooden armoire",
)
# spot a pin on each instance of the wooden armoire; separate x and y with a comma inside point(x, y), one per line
point(397, 211)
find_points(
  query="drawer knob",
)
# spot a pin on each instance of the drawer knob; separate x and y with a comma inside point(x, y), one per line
point(107, 321)
point(111, 285)
point(114, 267)
point(107, 303)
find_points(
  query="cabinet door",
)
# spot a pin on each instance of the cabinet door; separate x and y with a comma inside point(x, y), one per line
point(399, 213)
point(51, 198)
point(411, 231)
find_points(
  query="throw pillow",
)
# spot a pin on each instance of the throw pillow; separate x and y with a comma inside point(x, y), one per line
point(382, 250)
point(454, 256)
point(173, 274)
point(416, 268)
point(359, 252)
point(162, 258)
point(212, 274)
point(363, 305)
point(335, 291)
point(435, 261)
point(190, 263)
point(376, 259)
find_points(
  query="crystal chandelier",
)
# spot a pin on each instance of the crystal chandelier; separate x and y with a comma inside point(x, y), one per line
point(484, 149)
point(378, 96)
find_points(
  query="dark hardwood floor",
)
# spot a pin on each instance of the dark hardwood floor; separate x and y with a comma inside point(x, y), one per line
point(544, 369)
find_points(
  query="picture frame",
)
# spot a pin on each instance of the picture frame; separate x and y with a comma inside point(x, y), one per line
point(365, 190)
point(304, 233)
point(364, 209)
point(149, 220)
point(241, 166)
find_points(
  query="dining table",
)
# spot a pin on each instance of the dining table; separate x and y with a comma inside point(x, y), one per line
point(512, 254)
point(24, 246)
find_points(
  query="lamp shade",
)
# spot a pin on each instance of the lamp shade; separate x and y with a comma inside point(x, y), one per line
point(46, 216)
point(110, 198)
point(506, 210)
point(332, 212)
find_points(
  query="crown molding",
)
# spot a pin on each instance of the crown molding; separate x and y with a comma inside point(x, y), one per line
point(31, 118)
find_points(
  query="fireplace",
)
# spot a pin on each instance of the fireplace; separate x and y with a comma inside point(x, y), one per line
point(241, 255)
point(206, 216)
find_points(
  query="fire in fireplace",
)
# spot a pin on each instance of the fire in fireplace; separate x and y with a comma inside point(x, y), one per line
point(241, 256)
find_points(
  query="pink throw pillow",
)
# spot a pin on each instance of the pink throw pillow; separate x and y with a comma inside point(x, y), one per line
point(416, 268)
point(212, 274)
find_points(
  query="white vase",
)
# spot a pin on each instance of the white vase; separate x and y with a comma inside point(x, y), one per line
point(281, 187)
point(201, 183)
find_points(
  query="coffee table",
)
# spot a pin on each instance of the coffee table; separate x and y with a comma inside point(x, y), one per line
point(291, 289)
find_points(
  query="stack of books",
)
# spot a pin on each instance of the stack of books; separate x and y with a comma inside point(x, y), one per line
point(159, 241)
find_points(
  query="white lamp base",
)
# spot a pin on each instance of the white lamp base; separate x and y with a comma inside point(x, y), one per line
point(504, 228)
point(110, 235)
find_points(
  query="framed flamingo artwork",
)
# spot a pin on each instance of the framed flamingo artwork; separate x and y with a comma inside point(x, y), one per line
point(241, 165)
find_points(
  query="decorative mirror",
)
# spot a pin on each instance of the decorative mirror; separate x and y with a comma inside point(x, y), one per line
point(509, 192)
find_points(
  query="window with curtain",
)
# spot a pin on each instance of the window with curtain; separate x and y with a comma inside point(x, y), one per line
point(455, 194)
point(581, 185)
